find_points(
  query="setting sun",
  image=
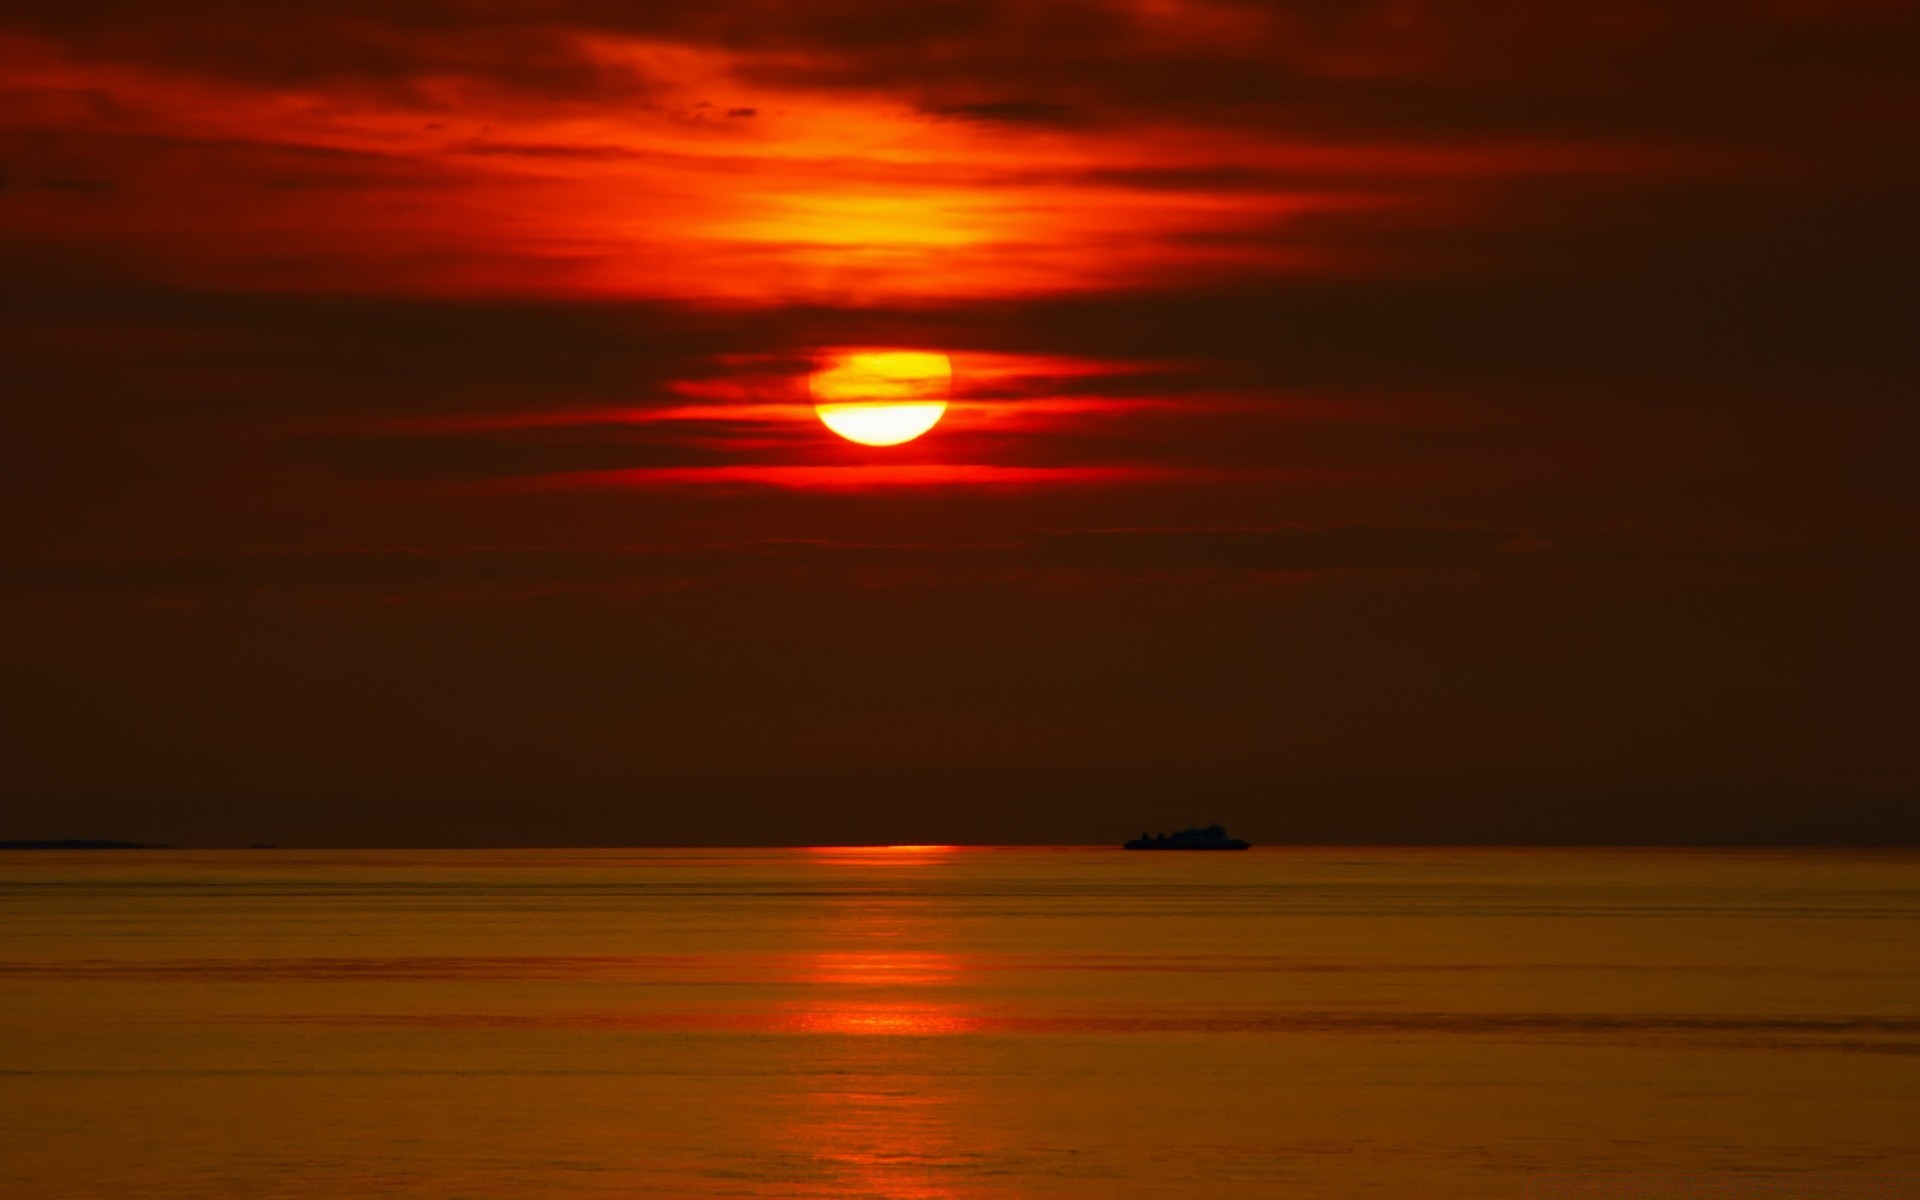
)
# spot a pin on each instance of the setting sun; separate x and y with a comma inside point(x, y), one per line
point(881, 397)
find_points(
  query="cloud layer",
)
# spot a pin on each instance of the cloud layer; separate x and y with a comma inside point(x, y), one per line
point(1467, 399)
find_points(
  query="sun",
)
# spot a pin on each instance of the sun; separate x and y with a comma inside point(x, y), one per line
point(881, 397)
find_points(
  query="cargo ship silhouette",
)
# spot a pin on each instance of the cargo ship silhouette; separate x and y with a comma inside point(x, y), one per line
point(1213, 837)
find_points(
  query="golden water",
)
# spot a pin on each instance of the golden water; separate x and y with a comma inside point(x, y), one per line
point(956, 1023)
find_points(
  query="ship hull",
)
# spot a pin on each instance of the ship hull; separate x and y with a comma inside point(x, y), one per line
point(1240, 846)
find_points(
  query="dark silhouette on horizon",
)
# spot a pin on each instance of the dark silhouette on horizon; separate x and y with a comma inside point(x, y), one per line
point(1213, 837)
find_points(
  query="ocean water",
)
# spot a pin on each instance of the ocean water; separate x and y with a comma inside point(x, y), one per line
point(931, 1022)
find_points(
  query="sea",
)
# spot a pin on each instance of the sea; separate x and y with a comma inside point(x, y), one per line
point(947, 1022)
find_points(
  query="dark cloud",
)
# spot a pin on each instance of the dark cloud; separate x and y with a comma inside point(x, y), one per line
point(1039, 555)
point(393, 52)
point(552, 150)
point(342, 355)
point(1718, 69)
point(1211, 179)
point(498, 456)
point(1339, 548)
point(1642, 321)
point(1012, 112)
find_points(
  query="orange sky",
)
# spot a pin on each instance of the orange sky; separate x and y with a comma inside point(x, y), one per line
point(702, 174)
point(1374, 398)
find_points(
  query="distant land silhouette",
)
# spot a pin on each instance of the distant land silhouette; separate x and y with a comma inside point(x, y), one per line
point(76, 844)
point(1213, 837)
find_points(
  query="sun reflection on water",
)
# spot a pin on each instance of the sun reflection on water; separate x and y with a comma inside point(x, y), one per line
point(903, 854)
point(883, 984)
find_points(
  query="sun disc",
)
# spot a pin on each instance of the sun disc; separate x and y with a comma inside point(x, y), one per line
point(882, 397)
point(880, 424)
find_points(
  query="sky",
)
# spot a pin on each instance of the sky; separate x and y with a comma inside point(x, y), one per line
point(1372, 421)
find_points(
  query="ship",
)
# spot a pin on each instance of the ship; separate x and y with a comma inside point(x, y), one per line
point(1213, 837)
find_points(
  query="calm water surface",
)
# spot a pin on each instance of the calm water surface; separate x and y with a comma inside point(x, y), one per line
point(950, 1023)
